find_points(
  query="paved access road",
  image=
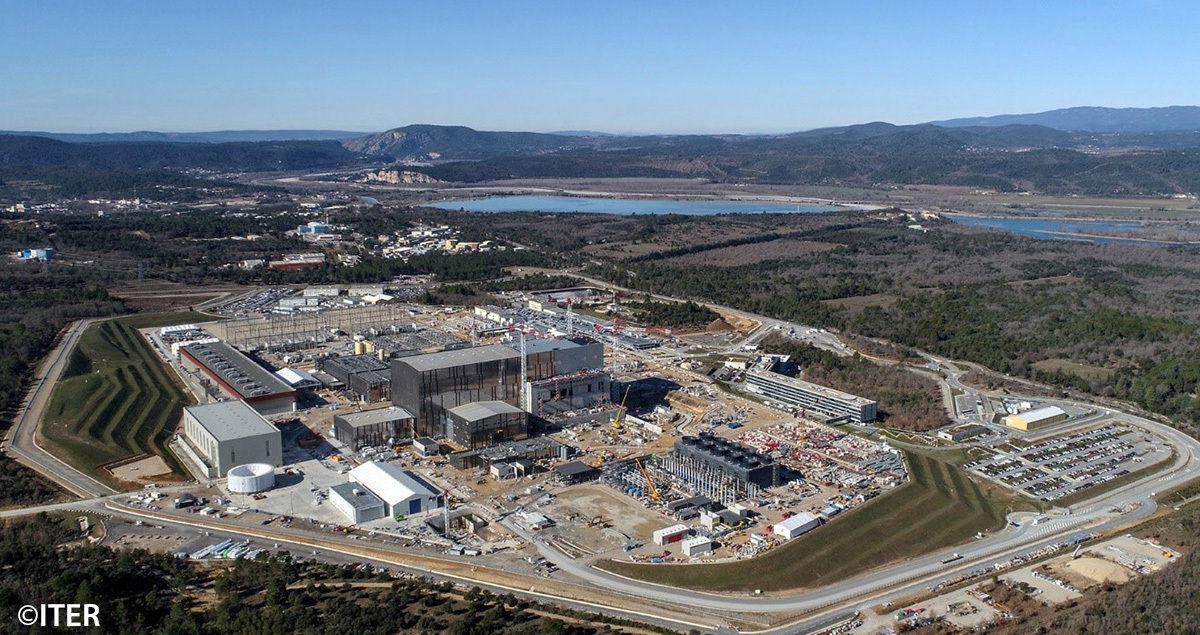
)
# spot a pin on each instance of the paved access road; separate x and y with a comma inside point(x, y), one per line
point(23, 438)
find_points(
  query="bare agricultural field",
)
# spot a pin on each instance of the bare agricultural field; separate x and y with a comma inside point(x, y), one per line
point(856, 304)
point(739, 255)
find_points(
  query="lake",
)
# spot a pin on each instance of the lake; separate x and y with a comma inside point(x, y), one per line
point(1054, 229)
point(626, 206)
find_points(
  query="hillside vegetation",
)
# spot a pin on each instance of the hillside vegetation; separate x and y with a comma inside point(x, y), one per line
point(116, 399)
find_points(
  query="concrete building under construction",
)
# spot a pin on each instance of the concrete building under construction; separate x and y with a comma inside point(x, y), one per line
point(364, 375)
point(295, 332)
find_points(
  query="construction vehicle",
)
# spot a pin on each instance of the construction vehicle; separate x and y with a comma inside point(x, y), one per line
point(595, 521)
point(649, 481)
point(620, 411)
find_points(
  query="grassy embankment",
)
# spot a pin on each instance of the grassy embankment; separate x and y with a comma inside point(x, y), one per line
point(940, 507)
point(116, 398)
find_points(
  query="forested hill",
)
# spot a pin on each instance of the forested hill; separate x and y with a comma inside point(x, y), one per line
point(241, 157)
point(217, 136)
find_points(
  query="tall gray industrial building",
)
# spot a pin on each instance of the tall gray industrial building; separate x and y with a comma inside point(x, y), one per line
point(431, 385)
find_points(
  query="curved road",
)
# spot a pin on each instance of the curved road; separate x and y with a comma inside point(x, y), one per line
point(1123, 506)
point(22, 437)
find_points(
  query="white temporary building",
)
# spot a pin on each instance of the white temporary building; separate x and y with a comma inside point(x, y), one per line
point(356, 502)
point(298, 379)
point(402, 492)
point(800, 523)
point(668, 535)
point(697, 546)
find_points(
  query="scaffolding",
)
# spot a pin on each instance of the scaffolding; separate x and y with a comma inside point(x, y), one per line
point(288, 333)
point(707, 480)
point(645, 477)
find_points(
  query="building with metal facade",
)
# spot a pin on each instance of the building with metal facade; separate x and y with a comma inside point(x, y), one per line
point(385, 426)
point(552, 357)
point(805, 395)
point(238, 377)
point(564, 393)
point(1034, 419)
point(429, 385)
point(219, 436)
point(732, 459)
point(364, 375)
point(357, 503)
point(483, 423)
point(372, 386)
point(402, 492)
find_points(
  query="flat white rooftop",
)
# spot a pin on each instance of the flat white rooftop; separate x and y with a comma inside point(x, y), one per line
point(231, 420)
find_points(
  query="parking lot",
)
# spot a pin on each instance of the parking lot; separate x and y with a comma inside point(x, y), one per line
point(1062, 466)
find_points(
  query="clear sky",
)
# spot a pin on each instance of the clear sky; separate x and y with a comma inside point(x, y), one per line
point(647, 66)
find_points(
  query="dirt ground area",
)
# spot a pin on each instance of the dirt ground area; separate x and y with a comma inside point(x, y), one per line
point(1098, 570)
point(143, 471)
point(158, 295)
point(1050, 593)
point(962, 608)
point(153, 543)
point(625, 516)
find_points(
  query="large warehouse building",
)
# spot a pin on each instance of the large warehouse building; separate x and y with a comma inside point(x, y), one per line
point(238, 377)
point(370, 428)
point(218, 436)
point(551, 357)
point(402, 493)
point(429, 385)
point(796, 525)
point(805, 395)
point(1034, 419)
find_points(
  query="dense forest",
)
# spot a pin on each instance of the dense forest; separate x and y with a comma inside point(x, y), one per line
point(683, 316)
point(222, 157)
point(140, 592)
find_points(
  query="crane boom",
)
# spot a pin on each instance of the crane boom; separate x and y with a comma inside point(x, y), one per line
point(620, 411)
point(649, 481)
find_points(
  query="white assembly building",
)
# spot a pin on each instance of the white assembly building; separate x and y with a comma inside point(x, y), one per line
point(402, 493)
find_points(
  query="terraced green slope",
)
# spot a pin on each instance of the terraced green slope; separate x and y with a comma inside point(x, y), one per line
point(116, 400)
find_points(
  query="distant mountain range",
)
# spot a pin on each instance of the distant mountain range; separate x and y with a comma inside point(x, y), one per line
point(261, 156)
point(1094, 119)
point(1150, 152)
point(441, 144)
point(220, 136)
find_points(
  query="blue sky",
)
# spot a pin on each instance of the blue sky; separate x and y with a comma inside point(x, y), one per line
point(86, 66)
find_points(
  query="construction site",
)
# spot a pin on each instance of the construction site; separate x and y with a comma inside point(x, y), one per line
point(457, 428)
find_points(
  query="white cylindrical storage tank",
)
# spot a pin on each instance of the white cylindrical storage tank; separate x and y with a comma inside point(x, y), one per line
point(251, 478)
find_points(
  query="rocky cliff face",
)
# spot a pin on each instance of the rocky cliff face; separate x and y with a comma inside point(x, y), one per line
point(458, 143)
point(397, 177)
